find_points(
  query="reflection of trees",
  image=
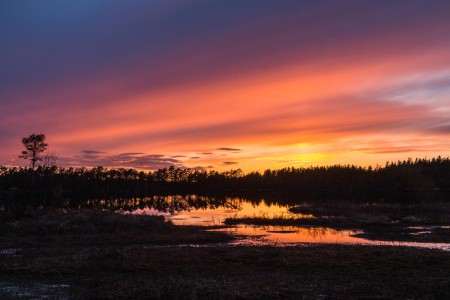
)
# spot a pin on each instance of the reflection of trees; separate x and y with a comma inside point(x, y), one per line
point(168, 204)
point(317, 232)
point(312, 232)
point(403, 181)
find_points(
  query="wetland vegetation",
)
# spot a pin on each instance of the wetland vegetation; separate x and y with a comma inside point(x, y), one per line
point(117, 233)
point(104, 255)
point(418, 222)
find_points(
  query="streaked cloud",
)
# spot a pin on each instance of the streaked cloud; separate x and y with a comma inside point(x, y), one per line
point(228, 149)
point(229, 163)
point(91, 152)
point(139, 160)
point(257, 83)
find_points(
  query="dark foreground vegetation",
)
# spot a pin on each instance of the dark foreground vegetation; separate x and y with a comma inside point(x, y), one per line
point(60, 235)
point(403, 182)
point(102, 255)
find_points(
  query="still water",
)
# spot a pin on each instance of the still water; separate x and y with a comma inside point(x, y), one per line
point(204, 211)
point(216, 214)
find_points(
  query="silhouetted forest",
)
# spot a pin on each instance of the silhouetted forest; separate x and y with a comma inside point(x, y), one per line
point(402, 181)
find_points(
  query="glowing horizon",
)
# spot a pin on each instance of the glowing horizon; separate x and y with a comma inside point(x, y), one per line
point(253, 85)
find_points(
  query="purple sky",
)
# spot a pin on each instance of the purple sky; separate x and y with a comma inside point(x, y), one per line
point(225, 84)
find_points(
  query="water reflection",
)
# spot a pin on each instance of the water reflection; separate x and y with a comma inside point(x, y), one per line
point(216, 215)
point(210, 211)
point(293, 234)
point(163, 204)
point(193, 209)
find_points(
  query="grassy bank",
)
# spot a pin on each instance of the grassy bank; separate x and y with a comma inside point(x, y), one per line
point(102, 255)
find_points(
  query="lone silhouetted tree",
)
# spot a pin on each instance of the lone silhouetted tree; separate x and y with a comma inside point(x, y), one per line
point(34, 145)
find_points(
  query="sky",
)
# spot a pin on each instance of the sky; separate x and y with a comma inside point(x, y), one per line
point(219, 84)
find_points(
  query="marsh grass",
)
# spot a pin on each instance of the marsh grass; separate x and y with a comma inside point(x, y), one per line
point(388, 222)
point(99, 255)
point(313, 272)
point(79, 228)
point(424, 213)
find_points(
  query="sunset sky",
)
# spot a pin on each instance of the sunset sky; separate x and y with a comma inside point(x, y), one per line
point(250, 84)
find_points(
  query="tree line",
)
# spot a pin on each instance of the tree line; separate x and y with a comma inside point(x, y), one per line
point(43, 184)
point(420, 179)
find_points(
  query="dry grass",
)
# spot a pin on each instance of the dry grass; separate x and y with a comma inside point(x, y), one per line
point(90, 228)
point(330, 271)
point(93, 255)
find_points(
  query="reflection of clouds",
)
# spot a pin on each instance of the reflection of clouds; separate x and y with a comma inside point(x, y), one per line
point(289, 234)
point(313, 232)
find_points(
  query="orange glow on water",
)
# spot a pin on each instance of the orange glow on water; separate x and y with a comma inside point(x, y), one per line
point(291, 234)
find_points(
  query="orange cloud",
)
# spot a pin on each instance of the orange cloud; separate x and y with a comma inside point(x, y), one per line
point(277, 90)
